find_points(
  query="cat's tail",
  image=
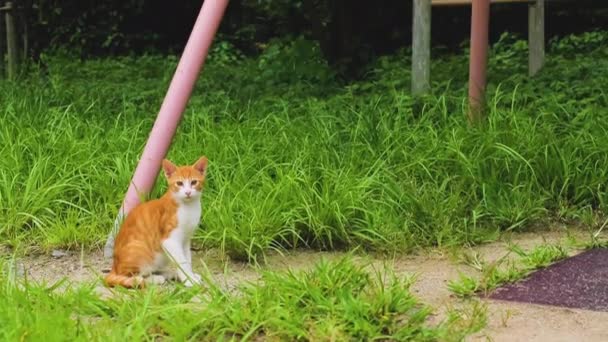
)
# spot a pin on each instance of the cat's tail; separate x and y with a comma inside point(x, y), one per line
point(114, 279)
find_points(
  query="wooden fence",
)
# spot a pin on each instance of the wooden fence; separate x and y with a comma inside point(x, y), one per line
point(421, 38)
point(9, 41)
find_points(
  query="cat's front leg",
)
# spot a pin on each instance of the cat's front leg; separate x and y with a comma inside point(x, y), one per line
point(176, 252)
point(188, 251)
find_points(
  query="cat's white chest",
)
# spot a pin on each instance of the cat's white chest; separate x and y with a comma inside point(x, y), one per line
point(188, 217)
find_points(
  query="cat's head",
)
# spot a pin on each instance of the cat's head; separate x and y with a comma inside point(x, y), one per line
point(186, 182)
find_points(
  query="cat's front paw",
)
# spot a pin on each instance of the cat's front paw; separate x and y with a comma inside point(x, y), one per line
point(197, 278)
point(193, 279)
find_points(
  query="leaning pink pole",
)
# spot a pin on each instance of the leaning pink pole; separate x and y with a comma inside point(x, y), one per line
point(171, 110)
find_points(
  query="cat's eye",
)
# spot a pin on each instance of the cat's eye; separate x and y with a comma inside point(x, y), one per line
point(193, 182)
point(179, 183)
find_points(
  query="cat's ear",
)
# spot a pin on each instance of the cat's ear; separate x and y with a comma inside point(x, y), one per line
point(168, 168)
point(201, 165)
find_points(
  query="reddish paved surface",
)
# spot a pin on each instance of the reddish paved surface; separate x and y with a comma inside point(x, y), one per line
point(578, 282)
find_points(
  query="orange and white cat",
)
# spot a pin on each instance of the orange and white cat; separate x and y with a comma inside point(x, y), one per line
point(153, 244)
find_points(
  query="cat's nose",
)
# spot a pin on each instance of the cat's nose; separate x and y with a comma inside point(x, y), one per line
point(188, 193)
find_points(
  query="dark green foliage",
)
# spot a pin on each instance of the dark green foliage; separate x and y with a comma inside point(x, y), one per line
point(350, 33)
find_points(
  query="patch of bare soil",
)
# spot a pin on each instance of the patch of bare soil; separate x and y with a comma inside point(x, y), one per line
point(434, 268)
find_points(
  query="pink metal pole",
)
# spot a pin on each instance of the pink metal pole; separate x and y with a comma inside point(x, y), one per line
point(171, 110)
point(480, 20)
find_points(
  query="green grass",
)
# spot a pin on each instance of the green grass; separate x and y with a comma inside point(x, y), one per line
point(504, 270)
point(298, 160)
point(334, 301)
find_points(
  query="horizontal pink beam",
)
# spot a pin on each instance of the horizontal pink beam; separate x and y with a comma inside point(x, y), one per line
point(172, 108)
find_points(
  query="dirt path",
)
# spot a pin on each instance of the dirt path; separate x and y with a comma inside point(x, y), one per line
point(434, 268)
